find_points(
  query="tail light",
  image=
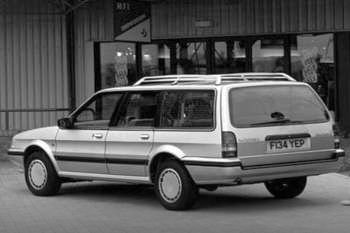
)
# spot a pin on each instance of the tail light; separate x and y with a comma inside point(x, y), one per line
point(229, 145)
point(336, 132)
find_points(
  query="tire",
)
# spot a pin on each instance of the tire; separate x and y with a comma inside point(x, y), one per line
point(174, 187)
point(286, 188)
point(40, 175)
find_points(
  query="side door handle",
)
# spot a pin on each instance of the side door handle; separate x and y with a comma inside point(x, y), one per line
point(97, 135)
point(144, 136)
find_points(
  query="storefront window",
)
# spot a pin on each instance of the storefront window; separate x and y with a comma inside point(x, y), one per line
point(118, 64)
point(268, 56)
point(230, 57)
point(313, 62)
point(155, 59)
point(191, 58)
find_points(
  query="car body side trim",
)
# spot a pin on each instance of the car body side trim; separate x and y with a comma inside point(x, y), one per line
point(211, 162)
point(15, 153)
point(101, 160)
point(105, 177)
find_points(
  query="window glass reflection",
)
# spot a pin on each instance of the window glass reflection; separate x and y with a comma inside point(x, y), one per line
point(155, 59)
point(118, 64)
point(313, 62)
point(230, 57)
point(191, 58)
point(268, 56)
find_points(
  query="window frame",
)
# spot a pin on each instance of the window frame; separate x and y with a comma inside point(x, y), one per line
point(80, 109)
point(190, 129)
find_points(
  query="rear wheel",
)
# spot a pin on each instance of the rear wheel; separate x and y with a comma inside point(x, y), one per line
point(40, 175)
point(174, 187)
point(286, 188)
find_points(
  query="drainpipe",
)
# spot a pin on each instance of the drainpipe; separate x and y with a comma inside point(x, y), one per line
point(70, 59)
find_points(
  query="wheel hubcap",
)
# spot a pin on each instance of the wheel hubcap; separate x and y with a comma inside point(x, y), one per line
point(37, 174)
point(170, 185)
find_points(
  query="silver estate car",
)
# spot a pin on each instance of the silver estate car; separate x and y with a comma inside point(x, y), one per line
point(185, 132)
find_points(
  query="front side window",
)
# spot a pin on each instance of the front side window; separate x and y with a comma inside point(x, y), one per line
point(271, 105)
point(97, 113)
point(187, 109)
point(139, 110)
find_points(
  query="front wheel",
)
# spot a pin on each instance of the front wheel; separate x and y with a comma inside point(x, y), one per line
point(174, 187)
point(40, 175)
point(286, 188)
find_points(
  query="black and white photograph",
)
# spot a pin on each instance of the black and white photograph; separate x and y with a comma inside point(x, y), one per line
point(168, 116)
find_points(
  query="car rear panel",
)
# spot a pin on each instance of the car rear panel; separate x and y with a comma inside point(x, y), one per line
point(260, 146)
point(252, 145)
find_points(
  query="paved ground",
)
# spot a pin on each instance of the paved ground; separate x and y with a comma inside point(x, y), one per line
point(99, 207)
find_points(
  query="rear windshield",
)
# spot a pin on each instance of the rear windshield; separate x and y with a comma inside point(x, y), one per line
point(275, 105)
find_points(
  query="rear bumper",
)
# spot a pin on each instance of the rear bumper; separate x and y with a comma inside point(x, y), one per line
point(222, 171)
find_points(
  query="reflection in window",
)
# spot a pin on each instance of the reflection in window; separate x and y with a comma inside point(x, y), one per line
point(183, 109)
point(191, 58)
point(98, 111)
point(313, 62)
point(230, 57)
point(255, 105)
point(118, 64)
point(268, 56)
point(139, 110)
point(155, 59)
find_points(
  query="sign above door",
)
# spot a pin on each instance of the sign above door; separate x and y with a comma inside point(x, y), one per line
point(132, 20)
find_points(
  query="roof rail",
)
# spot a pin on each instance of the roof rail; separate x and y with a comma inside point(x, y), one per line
point(217, 78)
point(173, 79)
point(254, 77)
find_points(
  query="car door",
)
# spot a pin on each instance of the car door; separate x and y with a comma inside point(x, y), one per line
point(130, 136)
point(82, 148)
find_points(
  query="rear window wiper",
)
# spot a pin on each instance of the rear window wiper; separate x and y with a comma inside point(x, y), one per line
point(282, 121)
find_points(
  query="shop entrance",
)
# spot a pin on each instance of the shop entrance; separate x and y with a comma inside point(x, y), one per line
point(307, 58)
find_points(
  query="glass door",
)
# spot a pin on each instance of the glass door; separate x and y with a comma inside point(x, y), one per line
point(117, 61)
point(230, 57)
point(268, 56)
point(191, 58)
point(155, 59)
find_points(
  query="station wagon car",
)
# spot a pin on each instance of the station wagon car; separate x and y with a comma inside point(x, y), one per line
point(185, 132)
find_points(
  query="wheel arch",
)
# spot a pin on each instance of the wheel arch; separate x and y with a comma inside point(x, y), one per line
point(163, 153)
point(39, 145)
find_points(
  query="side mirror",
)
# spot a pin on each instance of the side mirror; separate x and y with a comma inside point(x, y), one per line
point(65, 123)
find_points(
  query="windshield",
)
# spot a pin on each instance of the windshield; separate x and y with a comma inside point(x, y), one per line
point(275, 105)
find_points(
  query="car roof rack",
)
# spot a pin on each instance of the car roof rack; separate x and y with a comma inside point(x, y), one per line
point(216, 78)
point(173, 79)
point(221, 78)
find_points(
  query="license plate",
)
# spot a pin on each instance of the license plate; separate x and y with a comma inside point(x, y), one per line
point(292, 144)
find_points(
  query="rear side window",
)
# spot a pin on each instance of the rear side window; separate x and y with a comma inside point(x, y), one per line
point(187, 109)
point(270, 105)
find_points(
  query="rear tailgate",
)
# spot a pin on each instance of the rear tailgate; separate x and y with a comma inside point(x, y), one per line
point(280, 124)
point(285, 144)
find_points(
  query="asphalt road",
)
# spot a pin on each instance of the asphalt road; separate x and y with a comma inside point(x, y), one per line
point(99, 207)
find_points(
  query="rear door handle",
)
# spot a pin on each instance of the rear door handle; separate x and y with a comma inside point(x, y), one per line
point(144, 136)
point(97, 135)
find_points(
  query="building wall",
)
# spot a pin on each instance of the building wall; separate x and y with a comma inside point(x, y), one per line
point(177, 18)
point(93, 22)
point(33, 63)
